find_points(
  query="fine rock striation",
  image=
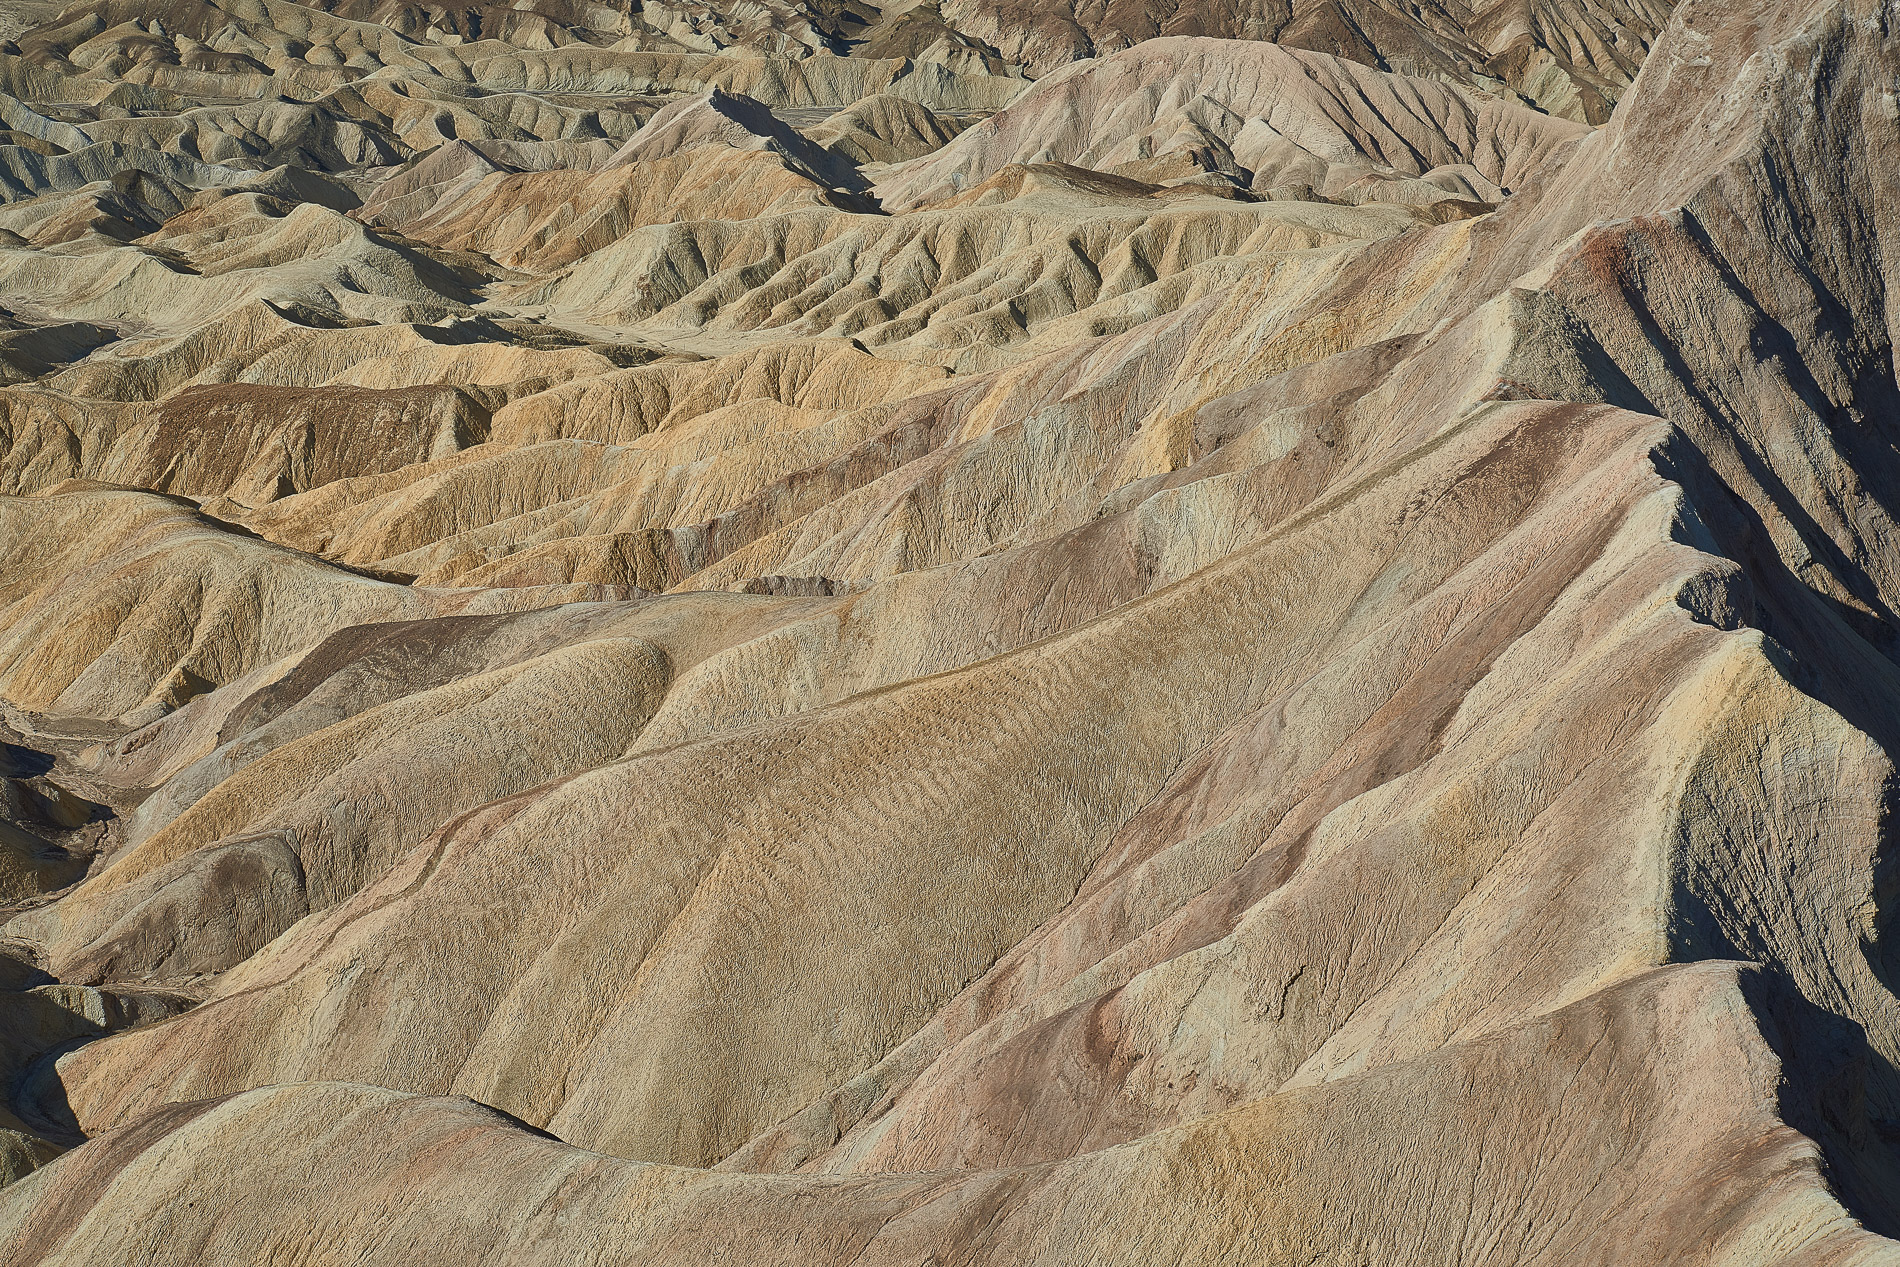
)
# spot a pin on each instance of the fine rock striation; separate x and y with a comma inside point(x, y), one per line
point(969, 634)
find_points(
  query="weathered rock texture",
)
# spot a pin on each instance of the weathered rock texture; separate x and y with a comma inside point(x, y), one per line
point(822, 634)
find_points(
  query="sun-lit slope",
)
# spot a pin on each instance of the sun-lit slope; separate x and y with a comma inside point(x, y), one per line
point(1572, 58)
point(1223, 656)
point(1265, 115)
point(1671, 1053)
point(154, 602)
point(1101, 735)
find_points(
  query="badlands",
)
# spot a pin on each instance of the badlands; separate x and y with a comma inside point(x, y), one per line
point(965, 632)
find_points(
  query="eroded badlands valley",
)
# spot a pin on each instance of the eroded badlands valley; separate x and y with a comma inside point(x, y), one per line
point(953, 632)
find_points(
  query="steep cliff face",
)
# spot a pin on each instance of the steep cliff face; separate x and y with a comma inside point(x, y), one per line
point(902, 648)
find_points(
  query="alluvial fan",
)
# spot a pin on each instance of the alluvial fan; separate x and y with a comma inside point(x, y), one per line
point(971, 632)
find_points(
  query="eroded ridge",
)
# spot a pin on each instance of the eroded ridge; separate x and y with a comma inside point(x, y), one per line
point(964, 634)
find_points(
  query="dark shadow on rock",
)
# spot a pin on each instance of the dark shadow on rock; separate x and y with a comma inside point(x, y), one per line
point(39, 1099)
point(1827, 1064)
point(23, 763)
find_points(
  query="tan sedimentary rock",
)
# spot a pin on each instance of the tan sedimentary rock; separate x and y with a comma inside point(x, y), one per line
point(542, 220)
point(738, 632)
point(885, 129)
point(1263, 1180)
point(1270, 115)
point(1573, 58)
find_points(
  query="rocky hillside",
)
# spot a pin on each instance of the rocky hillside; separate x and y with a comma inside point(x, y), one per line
point(978, 633)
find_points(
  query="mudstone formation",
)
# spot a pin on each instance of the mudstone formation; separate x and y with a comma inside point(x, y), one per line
point(967, 632)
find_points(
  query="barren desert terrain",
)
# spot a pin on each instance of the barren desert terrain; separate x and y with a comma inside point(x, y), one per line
point(816, 632)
